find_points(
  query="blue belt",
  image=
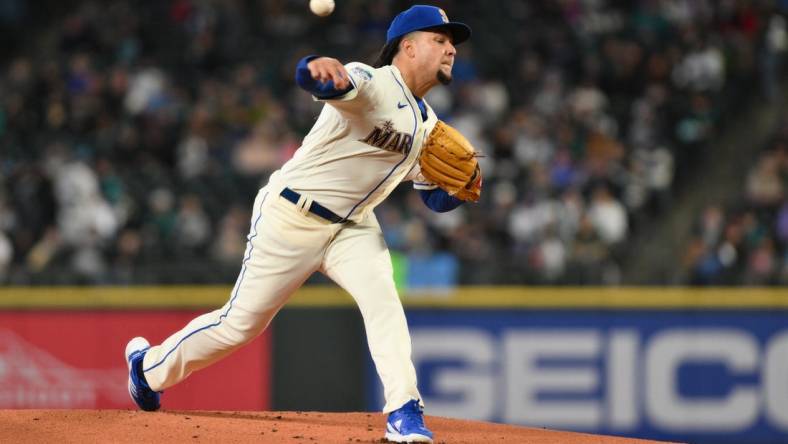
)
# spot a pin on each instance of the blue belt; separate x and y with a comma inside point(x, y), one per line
point(315, 208)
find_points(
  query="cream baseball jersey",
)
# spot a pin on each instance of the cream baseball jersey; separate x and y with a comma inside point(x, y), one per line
point(363, 144)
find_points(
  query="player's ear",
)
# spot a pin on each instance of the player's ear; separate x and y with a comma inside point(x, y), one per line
point(408, 45)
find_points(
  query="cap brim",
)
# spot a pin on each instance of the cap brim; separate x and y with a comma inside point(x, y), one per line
point(460, 32)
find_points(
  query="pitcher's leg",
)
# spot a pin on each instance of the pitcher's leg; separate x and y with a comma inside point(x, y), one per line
point(359, 262)
point(203, 341)
point(272, 270)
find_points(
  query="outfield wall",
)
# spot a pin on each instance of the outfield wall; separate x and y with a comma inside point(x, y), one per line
point(695, 365)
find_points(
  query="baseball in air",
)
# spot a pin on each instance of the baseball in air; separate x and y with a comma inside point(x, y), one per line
point(321, 7)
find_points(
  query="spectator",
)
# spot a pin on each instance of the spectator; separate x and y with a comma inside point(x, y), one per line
point(6, 255)
point(608, 216)
point(764, 184)
point(192, 226)
point(588, 251)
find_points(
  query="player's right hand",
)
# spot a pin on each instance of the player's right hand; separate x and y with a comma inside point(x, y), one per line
point(326, 68)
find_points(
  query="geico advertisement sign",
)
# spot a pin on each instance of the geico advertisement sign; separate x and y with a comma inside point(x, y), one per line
point(590, 379)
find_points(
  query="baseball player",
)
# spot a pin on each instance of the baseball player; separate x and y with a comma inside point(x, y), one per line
point(315, 213)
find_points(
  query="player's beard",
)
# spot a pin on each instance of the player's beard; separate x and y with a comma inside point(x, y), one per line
point(444, 78)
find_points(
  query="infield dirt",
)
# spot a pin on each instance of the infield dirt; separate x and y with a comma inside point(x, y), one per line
point(131, 426)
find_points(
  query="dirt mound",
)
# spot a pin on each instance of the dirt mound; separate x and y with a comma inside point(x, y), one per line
point(132, 426)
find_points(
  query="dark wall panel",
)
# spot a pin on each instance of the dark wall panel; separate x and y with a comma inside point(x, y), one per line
point(318, 359)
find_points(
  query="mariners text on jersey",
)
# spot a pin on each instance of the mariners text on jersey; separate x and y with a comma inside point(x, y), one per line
point(384, 136)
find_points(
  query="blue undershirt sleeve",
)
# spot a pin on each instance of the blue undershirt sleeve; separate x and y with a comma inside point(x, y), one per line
point(317, 88)
point(439, 200)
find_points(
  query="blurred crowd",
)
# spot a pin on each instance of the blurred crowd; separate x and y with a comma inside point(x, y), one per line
point(746, 240)
point(134, 135)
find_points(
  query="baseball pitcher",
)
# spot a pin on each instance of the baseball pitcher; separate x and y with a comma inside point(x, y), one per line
point(316, 213)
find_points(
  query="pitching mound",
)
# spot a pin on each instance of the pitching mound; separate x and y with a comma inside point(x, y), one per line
point(131, 426)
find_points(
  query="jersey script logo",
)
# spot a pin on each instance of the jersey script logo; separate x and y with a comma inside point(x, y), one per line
point(384, 136)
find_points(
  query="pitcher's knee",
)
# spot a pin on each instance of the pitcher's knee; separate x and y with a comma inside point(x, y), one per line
point(242, 327)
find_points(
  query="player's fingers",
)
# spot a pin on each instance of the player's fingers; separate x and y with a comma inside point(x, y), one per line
point(314, 68)
point(323, 74)
point(339, 84)
point(319, 75)
point(340, 79)
point(318, 69)
point(316, 73)
point(327, 69)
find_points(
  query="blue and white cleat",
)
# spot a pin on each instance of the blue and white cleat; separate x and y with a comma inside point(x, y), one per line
point(406, 424)
point(139, 390)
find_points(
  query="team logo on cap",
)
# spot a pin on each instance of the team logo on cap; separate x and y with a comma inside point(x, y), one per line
point(443, 15)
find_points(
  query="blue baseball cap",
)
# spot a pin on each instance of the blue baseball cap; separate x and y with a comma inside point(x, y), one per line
point(420, 17)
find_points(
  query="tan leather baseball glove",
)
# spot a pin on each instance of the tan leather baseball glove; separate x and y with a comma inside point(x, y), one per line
point(449, 161)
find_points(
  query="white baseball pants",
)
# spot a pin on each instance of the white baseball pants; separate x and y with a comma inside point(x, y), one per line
point(286, 244)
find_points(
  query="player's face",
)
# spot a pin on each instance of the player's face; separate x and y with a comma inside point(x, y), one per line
point(438, 54)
